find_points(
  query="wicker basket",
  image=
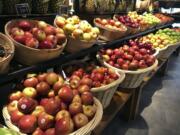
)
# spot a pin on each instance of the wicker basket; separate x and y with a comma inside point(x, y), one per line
point(109, 34)
point(40, 6)
point(9, 48)
point(168, 51)
point(30, 56)
point(105, 93)
point(133, 79)
point(87, 129)
point(162, 51)
point(9, 6)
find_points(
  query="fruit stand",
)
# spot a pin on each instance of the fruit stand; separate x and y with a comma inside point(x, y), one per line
point(86, 80)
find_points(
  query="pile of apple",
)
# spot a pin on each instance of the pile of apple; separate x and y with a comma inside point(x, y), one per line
point(163, 18)
point(151, 19)
point(110, 24)
point(39, 35)
point(48, 106)
point(76, 28)
point(176, 29)
point(128, 57)
point(127, 21)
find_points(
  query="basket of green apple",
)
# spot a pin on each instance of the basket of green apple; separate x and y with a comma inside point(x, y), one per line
point(46, 104)
point(80, 33)
point(151, 19)
point(133, 27)
point(136, 63)
point(110, 29)
point(35, 41)
point(87, 76)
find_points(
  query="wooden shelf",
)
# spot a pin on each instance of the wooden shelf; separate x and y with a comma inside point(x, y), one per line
point(118, 101)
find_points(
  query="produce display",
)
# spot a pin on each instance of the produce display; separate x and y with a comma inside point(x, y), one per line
point(127, 21)
point(110, 24)
point(47, 105)
point(163, 18)
point(77, 29)
point(151, 19)
point(37, 34)
point(128, 57)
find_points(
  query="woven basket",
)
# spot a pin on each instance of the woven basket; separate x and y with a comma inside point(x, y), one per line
point(87, 129)
point(162, 51)
point(9, 48)
point(30, 56)
point(110, 34)
point(168, 51)
point(133, 79)
point(40, 6)
point(105, 93)
point(9, 6)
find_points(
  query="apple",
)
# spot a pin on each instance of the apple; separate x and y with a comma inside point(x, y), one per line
point(75, 92)
point(51, 94)
point(75, 108)
point(50, 131)
point(87, 98)
point(20, 38)
point(34, 30)
point(89, 111)
point(51, 105)
point(60, 21)
point(28, 35)
point(42, 25)
point(77, 34)
point(16, 116)
point(75, 77)
point(66, 94)
point(26, 105)
point(43, 88)
point(12, 106)
point(38, 131)
point(30, 92)
point(42, 77)
point(30, 82)
point(76, 19)
point(80, 120)
point(87, 36)
point(95, 30)
point(38, 110)
point(15, 96)
point(46, 44)
point(27, 124)
point(74, 83)
point(52, 39)
point(61, 114)
point(59, 31)
point(64, 126)
point(52, 78)
point(40, 35)
point(61, 38)
point(49, 30)
point(86, 81)
point(32, 42)
point(57, 85)
point(45, 121)
point(77, 98)
point(64, 106)
point(83, 88)
point(25, 25)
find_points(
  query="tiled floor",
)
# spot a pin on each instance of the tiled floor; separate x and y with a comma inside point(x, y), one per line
point(159, 107)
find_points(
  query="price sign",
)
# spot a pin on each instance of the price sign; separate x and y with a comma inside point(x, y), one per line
point(22, 9)
point(63, 10)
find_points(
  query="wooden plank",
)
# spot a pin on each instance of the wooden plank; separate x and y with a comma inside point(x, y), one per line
point(118, 101)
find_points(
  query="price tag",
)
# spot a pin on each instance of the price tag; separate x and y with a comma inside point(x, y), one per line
point(22, 9)
point(63, 10)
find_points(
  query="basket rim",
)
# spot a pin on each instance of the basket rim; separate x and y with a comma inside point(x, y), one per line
point(11, 44)
point(128, 71)
point(34, 49)
point(114, 83)
point(89, 126)
point(108, 29)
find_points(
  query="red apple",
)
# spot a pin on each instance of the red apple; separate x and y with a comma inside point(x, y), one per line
point(77, 98)
point(52, 39)
point(83, 88)
point(58, 85)
point(30, 92)
point(50, 131)
point(16, 116)
point(32, 42)
point(45, 121)
point(59, 30)
point(34, 30)
point(75, 77)
point(61, 38)
point(46, 44)
point(61, 114)
point(27, 124)
point(26, 105)
point(43, 88)
point(75, 92)
point(49, 30)
point(31, 82)
point(74, 83)
point(87, 98)
point(66, 94)
point(52, 78)
point(64, 106)
point(20, 38)
point(42, 77)
point(75, 108)
point(51, 94)
point(89, 111)
point(86, 81)
point(64, 126)
point(60, 22)
point(25, 25)
point(15, 96)
point(38, 131)
point(28, 35)
point(40, 35)
point(80, 120)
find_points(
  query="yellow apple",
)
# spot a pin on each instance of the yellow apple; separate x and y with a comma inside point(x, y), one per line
point(77, 33)
point(87, 36)
point(95, 30)
point(76, 19)
point(69, 28)
point(70, 21)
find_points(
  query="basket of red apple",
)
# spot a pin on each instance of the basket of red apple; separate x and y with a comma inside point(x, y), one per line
point(133, 27)
point(110, 29)
point(35, 41)
point(163, 18)
point(102, 82)
point(80, 33)
point(47, 105)
point(6, 53)
point(136, 63)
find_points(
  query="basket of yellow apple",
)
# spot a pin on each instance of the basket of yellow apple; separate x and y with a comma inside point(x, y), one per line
point(46, 104)
point(110, 29)
point(80, 33)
